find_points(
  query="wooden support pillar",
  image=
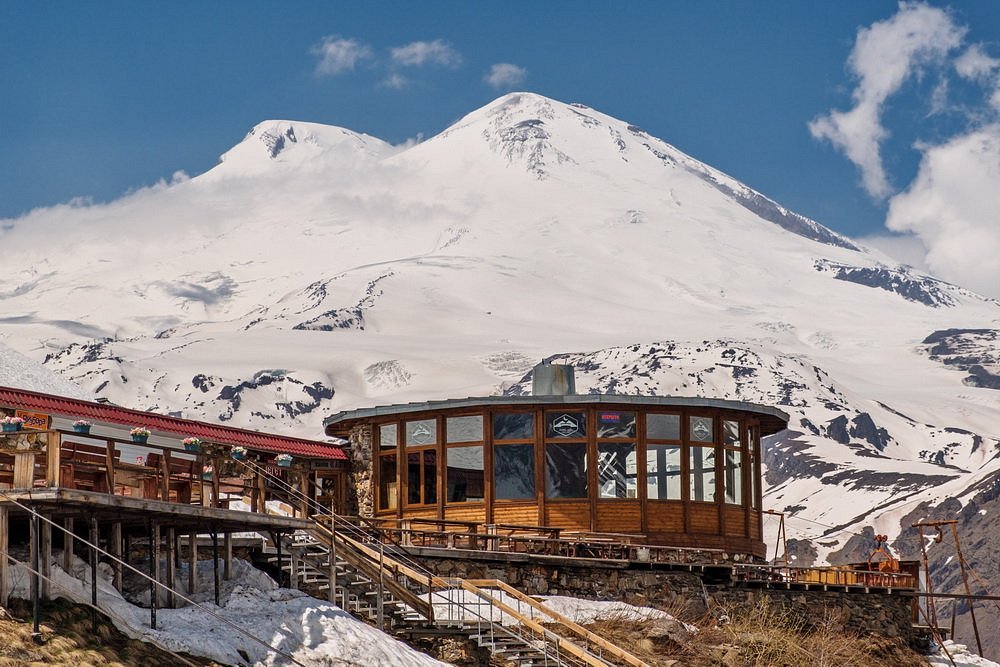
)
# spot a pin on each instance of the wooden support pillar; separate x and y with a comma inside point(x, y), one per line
point(53, 472)
point(4, 542)
point(165, 476)
point(171, 567)
point(215, 563)
point(227, 551)
point(154, 571)
point(115, 549)
point(261, 490)
point(304, 491)
point(45, 555)
point(94, 536)
point(293, 563)
point(33, 532)
point(177, 549)
point(216, 483)
point(68, 541)
point(332, 574)
point(192, 563)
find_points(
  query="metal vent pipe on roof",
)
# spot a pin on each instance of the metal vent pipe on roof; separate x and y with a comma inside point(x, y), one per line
point(548, 379)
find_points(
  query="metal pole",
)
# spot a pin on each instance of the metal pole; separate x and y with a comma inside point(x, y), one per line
point(965, 580)
point(381, 575)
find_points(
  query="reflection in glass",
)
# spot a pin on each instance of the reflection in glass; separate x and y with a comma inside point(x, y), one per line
point(616, 469)
point(514, 426)
point(388, 497)
point(387, 436)
point(465, 474)
point(701, 429)
point(514, 472)
point(566, 470)
point(464, 429)
point(702, 473)
point(730, 433)
point(663, 472)
point(423, 432)
point(754, 482)
point(565, 425)
point(614, 424)
point(663, 427)
point(734, 476)
point(421, 478)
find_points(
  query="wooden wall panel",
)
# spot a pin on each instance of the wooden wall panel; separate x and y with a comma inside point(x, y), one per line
point(704, 518)
point(420, 513)
point(735, 521)
point(619, 517)
point(526, 515)
point(755, 525)
point(569, 515)
point(665, 517)
point(471, 512)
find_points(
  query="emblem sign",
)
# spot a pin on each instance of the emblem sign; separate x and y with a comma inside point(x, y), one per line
point(421, 435)
point(565, 425)
point(701, 429)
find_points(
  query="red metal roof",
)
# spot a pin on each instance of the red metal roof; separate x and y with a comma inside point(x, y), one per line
point(106, 412)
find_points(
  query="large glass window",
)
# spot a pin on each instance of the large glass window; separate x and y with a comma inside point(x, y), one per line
point(616, 469)
point(753, 442)
point(388, 494)
point(387, 436)
point(663, 427)
point(465, 474)
point(565, 425)
point(734, 476)
point(514, 472)
point(421, 477)
point(702, 470)
point(464, 429)
point(663, 472)
point(566, 470)
point(422, 432)
point(730, 433)
point(514, 426)
point(615, 424)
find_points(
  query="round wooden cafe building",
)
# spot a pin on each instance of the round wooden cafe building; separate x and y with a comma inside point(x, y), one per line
point(678, 472)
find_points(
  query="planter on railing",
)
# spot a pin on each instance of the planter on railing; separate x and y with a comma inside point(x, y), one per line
point(11, 424)
point(82, 426)
point(238, 453)
point(192, 444)
point(140, 434)
point(283, 460)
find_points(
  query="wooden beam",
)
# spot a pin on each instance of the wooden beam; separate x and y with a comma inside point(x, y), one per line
point(53, 444)
point(192, 563)
point(45, 556)
point(4, 541)
point(227, 549)
point(171, 567)
point(68, 540)
point(115, 549)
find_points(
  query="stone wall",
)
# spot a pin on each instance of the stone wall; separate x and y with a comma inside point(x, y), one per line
point(884, 614)
point(359, 482)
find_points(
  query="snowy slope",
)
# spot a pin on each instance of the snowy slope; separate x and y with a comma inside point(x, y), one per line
point(316, 269)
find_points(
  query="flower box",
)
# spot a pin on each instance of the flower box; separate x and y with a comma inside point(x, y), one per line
point(139, 434)
point(11, 424)
point(238, 453)
point(192, 444)
point(10, 428)
point(81, 426)
point(283, 460)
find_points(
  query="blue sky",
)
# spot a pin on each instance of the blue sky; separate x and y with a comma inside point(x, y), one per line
point(101, 98)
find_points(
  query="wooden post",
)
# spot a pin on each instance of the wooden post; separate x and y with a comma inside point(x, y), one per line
point(165, 476)
point(304, 490)
point(154, 571)
point(227, 549)
point(68, 544)
point(192, 563)
point(216, 485)
point(171, 567)
point(33, 536)
point(293, 564)
point(45, 554)
point(53, 445)
point(109, 462)
point(332, 576)
point(115, 548)
point(4, 540)
point(215, 562)
point(261, 490)
point(94, 536)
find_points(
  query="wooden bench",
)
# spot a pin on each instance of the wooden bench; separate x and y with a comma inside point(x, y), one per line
point(88, 467)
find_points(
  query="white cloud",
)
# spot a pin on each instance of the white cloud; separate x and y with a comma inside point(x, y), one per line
point(505, 75)
point(417, 54)
point(885, 55)
point(903, 248)
point(952, 207)
point(338, 55)
point(395, 80)
point(976, 64)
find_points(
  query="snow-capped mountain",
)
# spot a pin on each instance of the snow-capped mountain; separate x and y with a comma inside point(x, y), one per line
point(316, 269)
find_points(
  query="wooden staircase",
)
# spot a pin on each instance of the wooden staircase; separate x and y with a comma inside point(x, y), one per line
point(379, 583)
